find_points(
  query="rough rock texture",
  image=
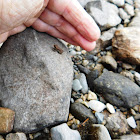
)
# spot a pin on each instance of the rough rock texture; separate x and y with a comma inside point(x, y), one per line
point(99, 132)
point(16, 136)
point(130, 137)
point(136, 20)
point(126, 44)
point(81, 112)
point(35, 80)
point(63, 132)
point(117, 125)
point(7, 117)
point(117, 89)
point(104, 13)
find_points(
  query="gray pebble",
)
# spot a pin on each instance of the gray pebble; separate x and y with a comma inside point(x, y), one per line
point(76, 86)
point(100, 117)
point(108, 48)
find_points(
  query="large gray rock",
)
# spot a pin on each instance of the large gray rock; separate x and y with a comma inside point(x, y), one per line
point(35, 80)
point(117, 89)
point(104, 13)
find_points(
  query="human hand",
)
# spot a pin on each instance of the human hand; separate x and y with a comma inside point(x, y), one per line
point(64, 19)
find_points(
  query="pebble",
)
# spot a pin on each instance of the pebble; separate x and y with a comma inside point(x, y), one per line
point(85, 62)
point(131, 122)
point(137, 117)
point(84, 52)
point(95, 58)
point(72, 100)
point(123, 14)
point(78, 53)
point(63, 132)
point(110, 108)
point(117, 2)
point(46, 130)
point(72, 52)
point(83, 81)
point(1, 45)
point(16, 136)
point(133, 112)
point(1, 137)
point(129, 2)
point(129, 9)
point(37, 135)
point(96, 105)
point(100, 117)
point(83, 69)
point(127, 66)
point(78, 48)
point(76, 86)
point(91, 95)
point(109, 48)
point(137, 77)
point(85, 103)
point(7, 117)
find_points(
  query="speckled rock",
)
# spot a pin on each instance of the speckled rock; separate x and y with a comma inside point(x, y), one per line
point(125, 47)
point(117, 125)
point(16, 136)
point(7, 117)
point(117, 89)
point(36, 80)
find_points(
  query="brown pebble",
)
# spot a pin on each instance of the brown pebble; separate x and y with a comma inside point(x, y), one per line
point(6, 120)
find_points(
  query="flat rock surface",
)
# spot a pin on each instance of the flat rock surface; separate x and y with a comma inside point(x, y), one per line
point(35, 80)
point(126, 45)
point(117, 89)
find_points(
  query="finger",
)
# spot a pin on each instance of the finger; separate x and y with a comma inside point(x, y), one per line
point(43, 27)
point(73, 12)
point(3, 37)
point(76, 40)
point(58, 22)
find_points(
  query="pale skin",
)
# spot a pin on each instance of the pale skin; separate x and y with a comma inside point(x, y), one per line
point(64, 19)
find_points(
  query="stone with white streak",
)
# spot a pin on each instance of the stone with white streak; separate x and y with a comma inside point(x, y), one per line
point(137, 77)
point(96, 105)
point(131, 122)
point(110, 108)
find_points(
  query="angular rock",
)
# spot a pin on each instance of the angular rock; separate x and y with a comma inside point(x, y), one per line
point(63, 132)
point(36, 80)
point(131, 122)
point(99, 132)
point(104, 13)
point(118, 2)
point(84, 2)
point(82, 113)
point(126, 44)
point(91, 96)
point(123, 14)
point(100, 117)
point(109, 61)
point(130, 137)
point(83, 69)
point(117, 89)
point(16, 136)
point(7, 117)
point(129, 9)
point(117, 125)
point(136, 20)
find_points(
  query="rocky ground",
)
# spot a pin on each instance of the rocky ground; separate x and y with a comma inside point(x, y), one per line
point(105, 94)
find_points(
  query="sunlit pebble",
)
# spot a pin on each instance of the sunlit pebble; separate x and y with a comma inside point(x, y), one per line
point(131, 122)
point(85, 62)
point(78, 48)
point(78, 53)
point(83, 52)
point(85, 103)
point(91, 95)
point(31, 136)
point(110, 108)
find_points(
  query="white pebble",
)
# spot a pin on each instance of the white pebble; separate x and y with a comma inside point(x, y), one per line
point(131, 122)
point(110, 108)
point(85, 62)
point(91, 95)
point(129, 9)
point(78, 53)
point(96, 105)
point(83, 52)
point(78, 48)
point(1, 44)
point(72, 52)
